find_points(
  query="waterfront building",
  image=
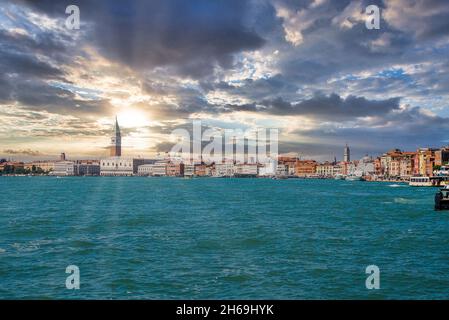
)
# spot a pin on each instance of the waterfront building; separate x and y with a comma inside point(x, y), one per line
point(364, 167)
point(45, 166)
point(407, 163)
point(157, 168)
point(378, 169)
point(346, 154)
point(64, 168)
point(281, 170)
point(224, 169)
point(268, 168)
point(14, 165)
point(119, 166)
point(325, 169)
point(352, 168)
point(345, 167)
point(189, 169)
point(337, 170)
point(160, 168)
point(291, 170)
point(116, 141)
point(175, 169)
point(200, 170)
point(424, 161)
point(145, 170)
point(394, 167)
point(442, 156)
point(390, 162)
point(76, 168)
point(246, 170)
point(87, 168)
point(290, 163)
point(396, 164)
point(305, 168)
point(210, 170)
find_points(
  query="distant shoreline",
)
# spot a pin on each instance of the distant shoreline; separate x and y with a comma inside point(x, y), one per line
point(203, 177)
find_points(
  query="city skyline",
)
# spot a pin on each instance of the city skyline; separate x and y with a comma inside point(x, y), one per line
point(114, 149)
point(309, 68)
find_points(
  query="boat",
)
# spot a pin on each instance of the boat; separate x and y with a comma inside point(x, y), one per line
point(354, 178)
point(425, 181)
point(339, 177)
point(442, 199)
point(279, 178)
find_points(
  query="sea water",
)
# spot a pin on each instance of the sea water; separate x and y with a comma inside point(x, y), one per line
point(210, 238)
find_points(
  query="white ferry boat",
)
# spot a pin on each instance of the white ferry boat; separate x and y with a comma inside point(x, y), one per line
point(425, 181)
point(354, 178)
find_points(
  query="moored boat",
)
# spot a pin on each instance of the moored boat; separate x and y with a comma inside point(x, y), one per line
point(354, 178)
point(442, 199)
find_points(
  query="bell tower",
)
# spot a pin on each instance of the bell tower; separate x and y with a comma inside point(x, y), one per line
point(116, 141)
point(347, 154)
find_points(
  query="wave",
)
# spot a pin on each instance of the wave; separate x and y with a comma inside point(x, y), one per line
point(397, 185)
point(404, 200)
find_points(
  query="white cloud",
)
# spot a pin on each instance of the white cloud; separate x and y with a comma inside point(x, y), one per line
point(294, 22)
point(352, 14)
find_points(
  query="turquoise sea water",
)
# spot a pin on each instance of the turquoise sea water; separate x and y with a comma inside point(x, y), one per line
point(169, 238)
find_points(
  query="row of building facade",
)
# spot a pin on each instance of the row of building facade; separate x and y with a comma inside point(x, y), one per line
point(395, 164)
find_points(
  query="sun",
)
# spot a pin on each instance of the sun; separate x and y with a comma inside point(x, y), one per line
point(132, 118)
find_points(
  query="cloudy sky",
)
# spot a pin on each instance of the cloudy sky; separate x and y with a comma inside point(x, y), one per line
point(310, 68)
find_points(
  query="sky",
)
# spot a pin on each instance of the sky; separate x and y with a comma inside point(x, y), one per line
point(309, 68)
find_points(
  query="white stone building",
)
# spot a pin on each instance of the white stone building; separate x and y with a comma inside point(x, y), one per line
point(64, 168)
point(281, 170)
point(268, 168)
point(363, 167)
point(189, 170)
point(225, 169)
point(158, 168)
point(246, 170)
point(119, 166)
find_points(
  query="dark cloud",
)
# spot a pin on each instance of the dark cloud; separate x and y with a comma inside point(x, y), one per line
point(425, 19)
point(331, 107)
point(38, 95)
point(256, 90)
point(407, 129)
point(192, 37)
point(20, 64)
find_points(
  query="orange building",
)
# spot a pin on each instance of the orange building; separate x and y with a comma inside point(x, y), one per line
point(424, 161)
point(289, 162)
point(175, 169)
point(200, 170)
point(396, 163)
point(442, 156)
point(378, 167)
point(304, 168)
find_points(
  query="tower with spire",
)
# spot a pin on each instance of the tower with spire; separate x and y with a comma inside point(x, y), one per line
point(347, 154)
point(116, 141)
